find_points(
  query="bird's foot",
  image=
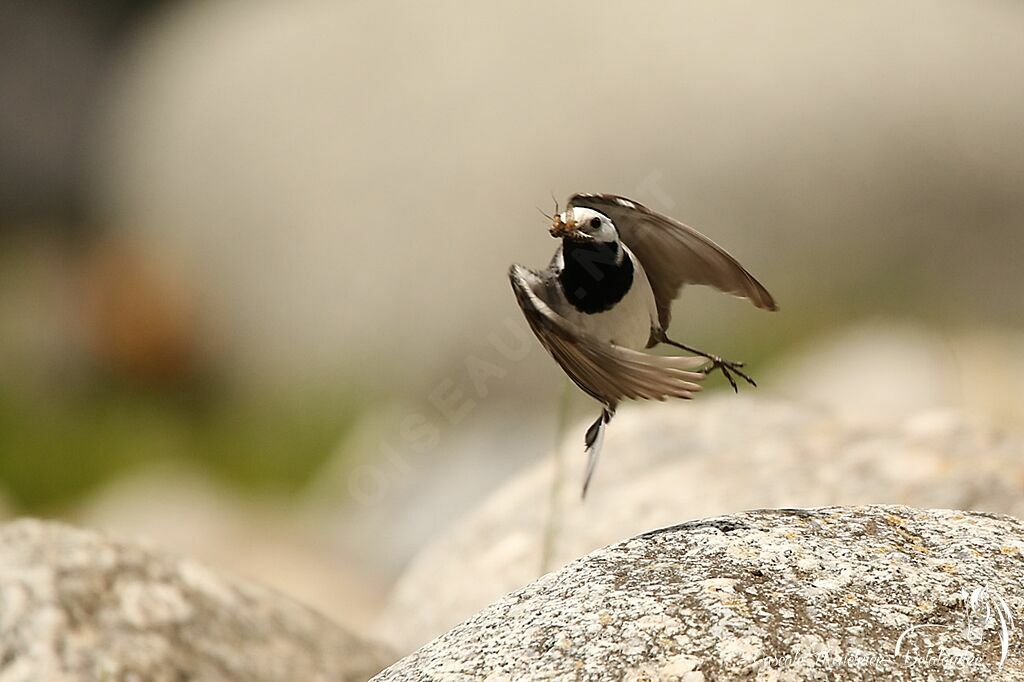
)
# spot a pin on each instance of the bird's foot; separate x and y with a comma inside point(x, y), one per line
point(728, 368)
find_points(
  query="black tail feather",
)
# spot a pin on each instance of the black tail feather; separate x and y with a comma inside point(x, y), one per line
point(593, 440)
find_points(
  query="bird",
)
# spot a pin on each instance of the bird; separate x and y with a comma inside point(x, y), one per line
point(606, 297)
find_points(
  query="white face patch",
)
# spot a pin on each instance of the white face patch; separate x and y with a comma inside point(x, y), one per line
point(603, 230)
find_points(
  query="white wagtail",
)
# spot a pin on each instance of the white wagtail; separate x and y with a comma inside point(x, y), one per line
point(607, 294)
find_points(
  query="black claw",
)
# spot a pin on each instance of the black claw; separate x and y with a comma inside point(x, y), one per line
point(727, 368)
point(728, 377)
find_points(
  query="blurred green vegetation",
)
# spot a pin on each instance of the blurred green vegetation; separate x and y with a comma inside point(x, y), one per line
point(53, 453)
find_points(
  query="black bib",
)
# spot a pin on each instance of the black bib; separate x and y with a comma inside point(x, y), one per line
point(591, 279)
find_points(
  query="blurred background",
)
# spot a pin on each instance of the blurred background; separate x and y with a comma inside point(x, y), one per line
point(253, 255)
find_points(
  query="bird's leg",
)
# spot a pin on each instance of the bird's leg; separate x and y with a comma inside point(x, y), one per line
point(727, 367)
point(594, 440)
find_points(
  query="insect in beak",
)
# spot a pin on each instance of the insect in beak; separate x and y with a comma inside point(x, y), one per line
point(558, 227)
point(563, 225)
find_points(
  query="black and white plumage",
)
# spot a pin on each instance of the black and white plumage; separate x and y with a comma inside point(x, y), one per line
point(607, 295)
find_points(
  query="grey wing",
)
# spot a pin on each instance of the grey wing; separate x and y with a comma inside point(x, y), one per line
point(606, 372)
point(674, 254)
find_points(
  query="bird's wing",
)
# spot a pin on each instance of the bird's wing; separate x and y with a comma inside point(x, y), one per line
point(607, 372)
point(674, 254)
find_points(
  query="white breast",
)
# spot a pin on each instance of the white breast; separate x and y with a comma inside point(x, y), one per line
point(628, 323)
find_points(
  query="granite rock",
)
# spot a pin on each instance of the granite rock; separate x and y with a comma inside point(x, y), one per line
point(852, 593)
point(78, 605)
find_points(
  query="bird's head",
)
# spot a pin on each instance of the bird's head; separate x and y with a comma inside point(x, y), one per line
point(583, 225)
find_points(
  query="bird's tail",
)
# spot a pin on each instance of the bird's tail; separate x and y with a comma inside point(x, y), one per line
point(594, 440)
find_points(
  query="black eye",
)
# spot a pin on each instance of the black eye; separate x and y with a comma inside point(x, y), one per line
point(595, 222)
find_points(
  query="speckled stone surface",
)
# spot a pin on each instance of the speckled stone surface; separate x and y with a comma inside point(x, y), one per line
point(76, 605)
point(667, 463)
point(789, 594)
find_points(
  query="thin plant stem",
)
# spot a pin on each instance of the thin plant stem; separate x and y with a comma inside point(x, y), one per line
point(551, 523)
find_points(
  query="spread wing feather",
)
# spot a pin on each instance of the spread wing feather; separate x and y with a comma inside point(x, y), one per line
point(607, 372)
point(674, 254)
